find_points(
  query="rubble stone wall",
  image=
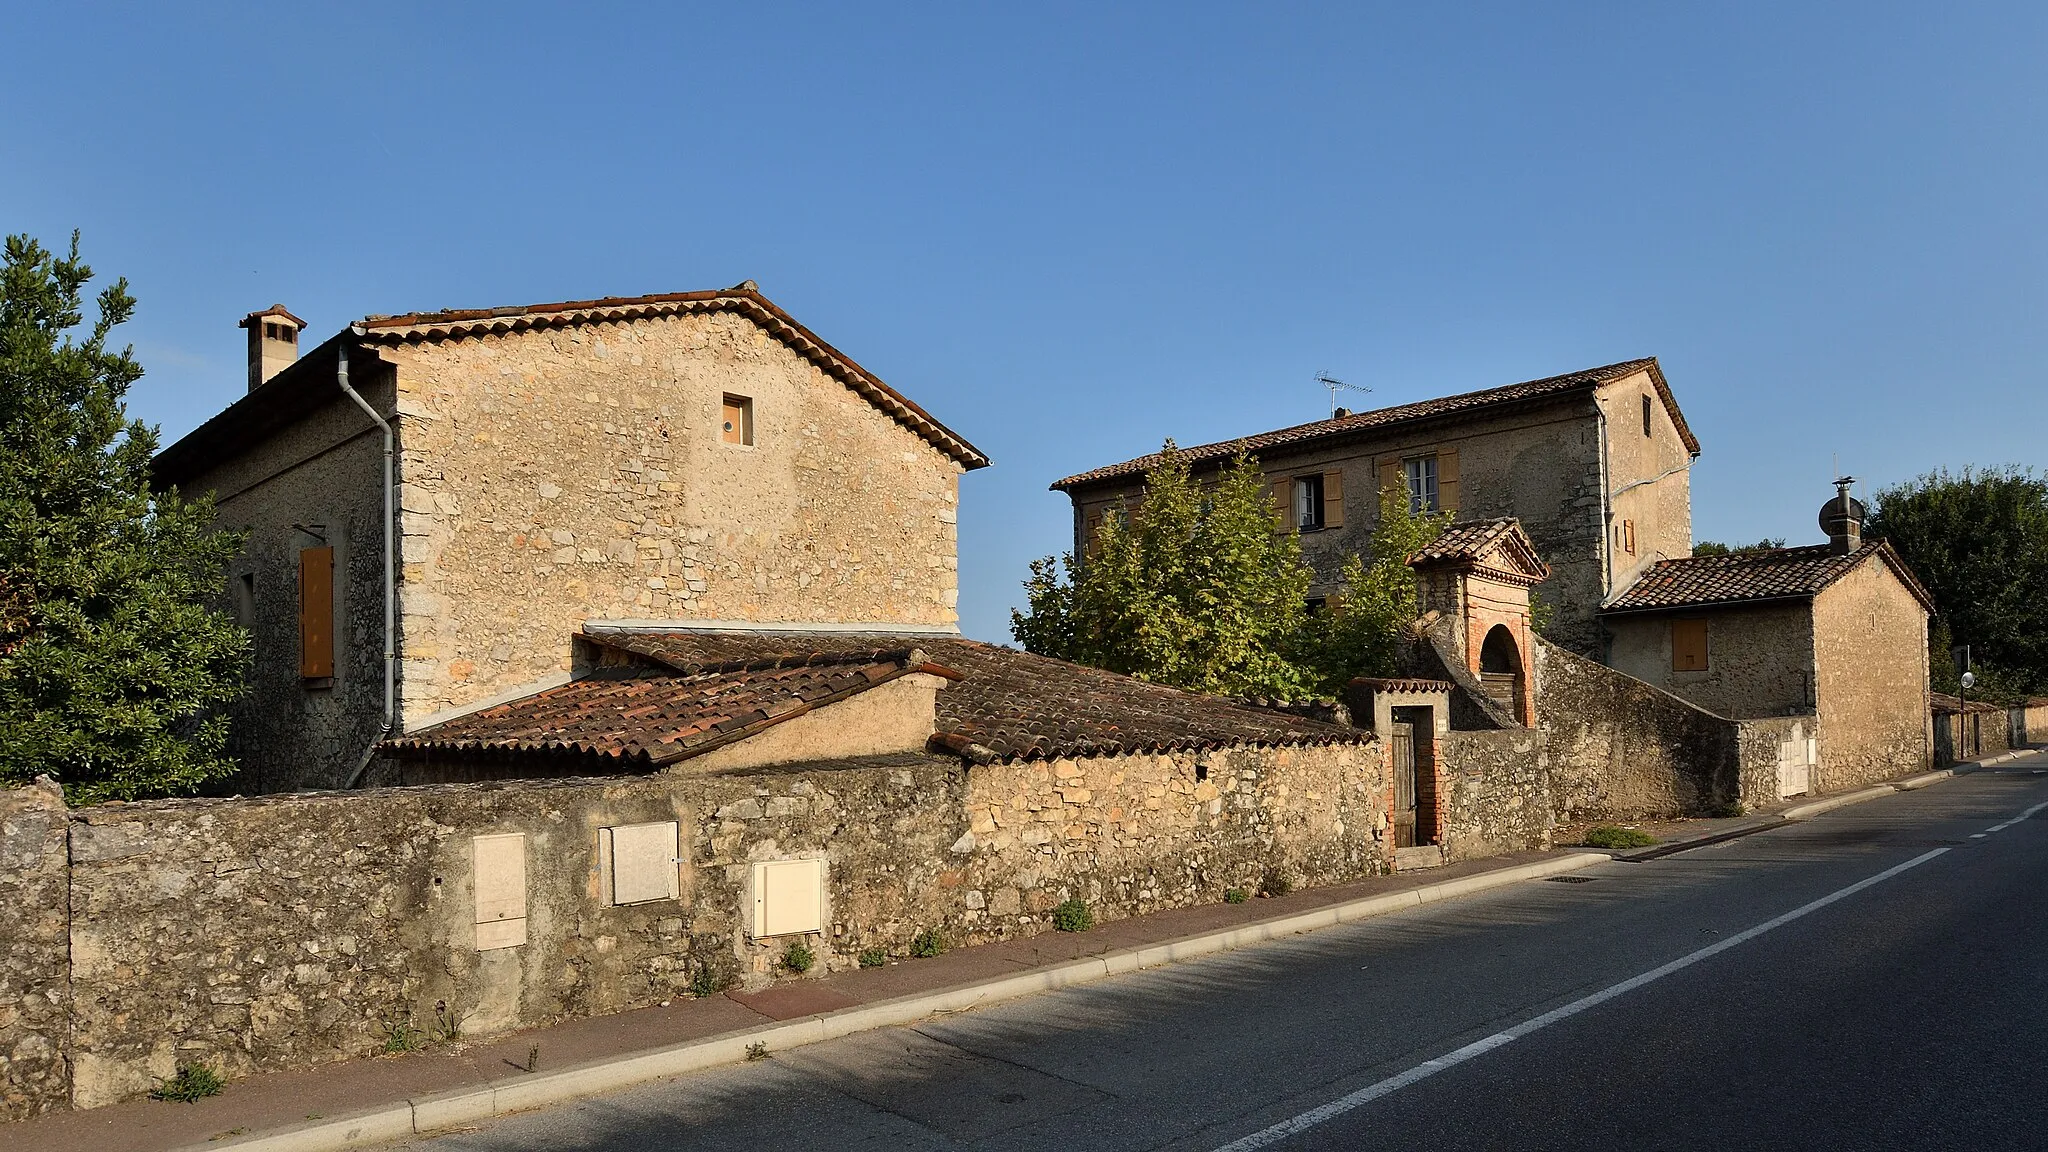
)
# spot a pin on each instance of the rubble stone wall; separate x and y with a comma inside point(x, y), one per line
point(1622, 749)
point(1870, 661)
point(35, 977)
point(1498, 791)
point(290, 930)
point(581, 473)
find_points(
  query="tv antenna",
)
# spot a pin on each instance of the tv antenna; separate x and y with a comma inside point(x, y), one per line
point(1334, 384)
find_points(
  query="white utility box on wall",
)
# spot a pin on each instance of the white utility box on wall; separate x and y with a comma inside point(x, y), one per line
point(498, 878)
point(789, 897)
point(637, 863)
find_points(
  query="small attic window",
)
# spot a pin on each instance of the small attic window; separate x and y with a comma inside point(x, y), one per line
point(738, 426)
point(1646, 415)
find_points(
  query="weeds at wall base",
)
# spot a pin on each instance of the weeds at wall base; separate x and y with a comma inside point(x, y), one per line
point(194, 1082)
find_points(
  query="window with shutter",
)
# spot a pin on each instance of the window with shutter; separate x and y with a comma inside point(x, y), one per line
point(1447, 480)
point(738, 420)
point(1333, 499)
point(1308, 503)
point(1423, 493)
point(1688, 645)
point(1283, 505)
point(316, 613)
point(1628, 537)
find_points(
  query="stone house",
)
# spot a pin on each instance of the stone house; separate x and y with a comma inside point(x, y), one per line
point(695, 456)
point(1834, 632)
point(1594, 465)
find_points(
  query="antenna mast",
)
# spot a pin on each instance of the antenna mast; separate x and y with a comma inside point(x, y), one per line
point(1333, 384)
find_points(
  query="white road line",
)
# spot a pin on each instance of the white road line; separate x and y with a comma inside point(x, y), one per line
point(1428, 1068)
point(2022, 816)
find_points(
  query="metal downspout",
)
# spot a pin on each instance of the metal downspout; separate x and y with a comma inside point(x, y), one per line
point(390, 570)
point(1606, 511)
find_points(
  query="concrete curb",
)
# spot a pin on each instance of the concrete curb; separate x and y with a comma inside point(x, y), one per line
point(1674, 847)
point(473, 1105)
point(1914, 783)
point(1802, 811)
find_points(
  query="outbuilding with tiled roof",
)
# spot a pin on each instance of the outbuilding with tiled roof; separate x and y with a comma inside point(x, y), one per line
point(1834, 631)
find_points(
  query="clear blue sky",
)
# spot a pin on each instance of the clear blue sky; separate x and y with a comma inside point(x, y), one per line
point(1070, 231)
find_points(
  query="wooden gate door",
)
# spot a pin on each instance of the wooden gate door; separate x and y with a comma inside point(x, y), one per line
point(1404, 785)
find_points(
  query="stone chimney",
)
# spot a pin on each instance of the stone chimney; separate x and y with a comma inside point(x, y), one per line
point(1842, 518)
point(273, 342)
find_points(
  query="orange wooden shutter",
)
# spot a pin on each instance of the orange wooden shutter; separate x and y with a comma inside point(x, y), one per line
point(1688, 645)
point(316, 613)
point(1447, 479)
point(1333, 499)
point(1283, 504)
point(1628, 536)
point(1090, 529)
point(1391, 478)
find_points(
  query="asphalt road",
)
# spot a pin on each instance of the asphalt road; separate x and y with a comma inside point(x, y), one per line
point(1874, 978)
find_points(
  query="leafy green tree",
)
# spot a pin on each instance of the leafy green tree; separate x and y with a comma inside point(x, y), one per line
point(1362, 633)
point(1979, 541)
point(112, 668)
point(1191, 588)
point(1716, 548)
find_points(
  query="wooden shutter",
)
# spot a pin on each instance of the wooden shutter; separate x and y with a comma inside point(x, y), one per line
point(316, 613)
point(1447, 479)
point(1091, 528)
point(1628, 537)
point(1688, 645)
point(1391, 477)
point(1333, 499)
point(1283, 504)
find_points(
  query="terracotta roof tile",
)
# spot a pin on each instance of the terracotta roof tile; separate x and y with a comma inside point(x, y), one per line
point(1402, 684)
point(1016, 704)
point(648, 714)
point(1361, 422)
point(1778, 574)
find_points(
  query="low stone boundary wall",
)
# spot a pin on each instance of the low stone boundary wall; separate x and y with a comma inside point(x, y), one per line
point(1622, 749)
point(1499, 785)
point(289, 930)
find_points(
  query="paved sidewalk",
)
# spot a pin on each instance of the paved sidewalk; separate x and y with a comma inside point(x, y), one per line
point(281, 1100)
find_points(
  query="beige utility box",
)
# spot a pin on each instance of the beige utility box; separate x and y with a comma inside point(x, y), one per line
point(789, 897)
point(499, 882)
point(638, 863)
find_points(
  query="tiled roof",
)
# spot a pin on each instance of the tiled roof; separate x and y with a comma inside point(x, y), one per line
point(1362, 422)
point(1778, 574)
point(1943, 704)
point(1402, 684)
point(308, 382)
point(1018, 705)
point(646, 715)
point(1474, 541)
point(277, 310)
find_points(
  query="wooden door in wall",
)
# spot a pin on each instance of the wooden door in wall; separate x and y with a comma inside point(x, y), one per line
point(1404, 784)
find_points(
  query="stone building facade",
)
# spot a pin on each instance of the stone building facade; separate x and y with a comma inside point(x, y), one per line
point(698, 456)
point(1595, 465)
point(1833, 632)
